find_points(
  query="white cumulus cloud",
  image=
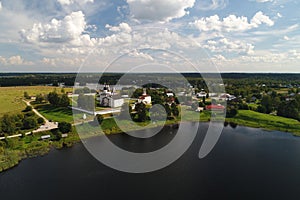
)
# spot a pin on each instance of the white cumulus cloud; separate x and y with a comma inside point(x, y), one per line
point(226, 45)
point(14, 60)
point(69, 2)
point(232, 23)
point(68, 30)
point(159, 10)
point(211, 4)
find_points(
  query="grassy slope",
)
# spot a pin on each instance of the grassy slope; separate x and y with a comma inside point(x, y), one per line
point(11, 97)
point(266, 121)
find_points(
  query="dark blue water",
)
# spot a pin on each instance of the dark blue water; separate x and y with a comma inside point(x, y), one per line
point(245, 164)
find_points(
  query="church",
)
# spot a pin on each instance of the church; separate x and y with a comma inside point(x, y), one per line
point(108, 98)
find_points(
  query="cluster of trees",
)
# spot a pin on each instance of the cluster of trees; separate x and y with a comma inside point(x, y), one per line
point(12, 123)
point(142, 113)
point(290, 109)
point(58, 100)
point(86, 102)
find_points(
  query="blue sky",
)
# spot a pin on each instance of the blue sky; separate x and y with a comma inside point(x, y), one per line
point(233, 35)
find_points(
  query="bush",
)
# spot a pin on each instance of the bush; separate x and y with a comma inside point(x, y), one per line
point(28, 108)
point(40, 120)
point(29, 123)
point(261, 109)
point(231, 112)
point(29, 114)
point(64, 127)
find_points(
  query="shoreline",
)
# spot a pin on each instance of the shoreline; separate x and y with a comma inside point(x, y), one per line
point(14, 157)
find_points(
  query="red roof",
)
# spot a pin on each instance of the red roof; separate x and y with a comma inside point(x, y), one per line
point(215, 107)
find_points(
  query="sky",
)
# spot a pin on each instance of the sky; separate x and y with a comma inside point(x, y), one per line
point(180, 35)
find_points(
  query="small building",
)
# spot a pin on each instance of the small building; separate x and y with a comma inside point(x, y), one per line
point(213, 107)
point(64, 135)
point(169, 94)
point(146, 99)
point(44, 137)
point(201, 94)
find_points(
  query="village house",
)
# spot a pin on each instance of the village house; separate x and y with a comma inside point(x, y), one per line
point(146, 99)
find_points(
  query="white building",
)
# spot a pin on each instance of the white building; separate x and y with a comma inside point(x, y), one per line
point(146, 99)
point(109, 98)
point(201, 94)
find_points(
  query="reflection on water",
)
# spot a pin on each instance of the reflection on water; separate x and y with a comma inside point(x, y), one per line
point(246, 163)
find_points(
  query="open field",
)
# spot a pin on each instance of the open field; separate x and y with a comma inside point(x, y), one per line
point(11, 97)
point(266, 121)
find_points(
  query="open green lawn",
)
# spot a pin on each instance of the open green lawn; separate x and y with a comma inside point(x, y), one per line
point(11, 97)
point(55, 114)
point(266, 121)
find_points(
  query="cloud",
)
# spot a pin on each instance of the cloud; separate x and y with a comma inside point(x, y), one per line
point(211, 4)
point(263, 1)
point(69, 2)
point(226, 45)
point(14, 60)
point(71, 29)
point(260, 18)
point(232, 23)
point(0, 5)
point(159, 10)
point(123, 27)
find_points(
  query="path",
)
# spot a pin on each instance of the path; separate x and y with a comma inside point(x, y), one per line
point(47, 126)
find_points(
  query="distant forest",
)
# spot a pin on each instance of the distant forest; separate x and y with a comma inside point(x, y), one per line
point(28, 79)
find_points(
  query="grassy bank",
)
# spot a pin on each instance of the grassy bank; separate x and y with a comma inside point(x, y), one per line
point(266, 121)
point(12, 151)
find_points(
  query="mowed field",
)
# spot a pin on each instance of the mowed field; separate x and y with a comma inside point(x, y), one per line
point(11, 97)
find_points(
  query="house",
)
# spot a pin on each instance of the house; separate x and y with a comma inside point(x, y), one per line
point(146, 99)
point(213, 107)
point(108, 98)
point(199, 109)
point(226, 97)
point(201, 94)
point(169, 94)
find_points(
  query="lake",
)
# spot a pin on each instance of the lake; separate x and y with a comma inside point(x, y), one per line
point(246, 163)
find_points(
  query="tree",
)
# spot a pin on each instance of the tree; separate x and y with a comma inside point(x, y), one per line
point(231, 111)
point(261, 109)
point(26, 96)
point(28, 108)
point(168, 110)
point(29, 123)
point(64, 127)
point(174, 110)
point(53, 98)
point(8, 124)
point(266, 102)
point(64, 101)
point(141, 112)
point(40, 120)
point(39, 98)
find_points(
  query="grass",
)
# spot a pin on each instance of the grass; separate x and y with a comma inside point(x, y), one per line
point(57, 114)
point(266, 121)
point(11, 97)
point(15, 149)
